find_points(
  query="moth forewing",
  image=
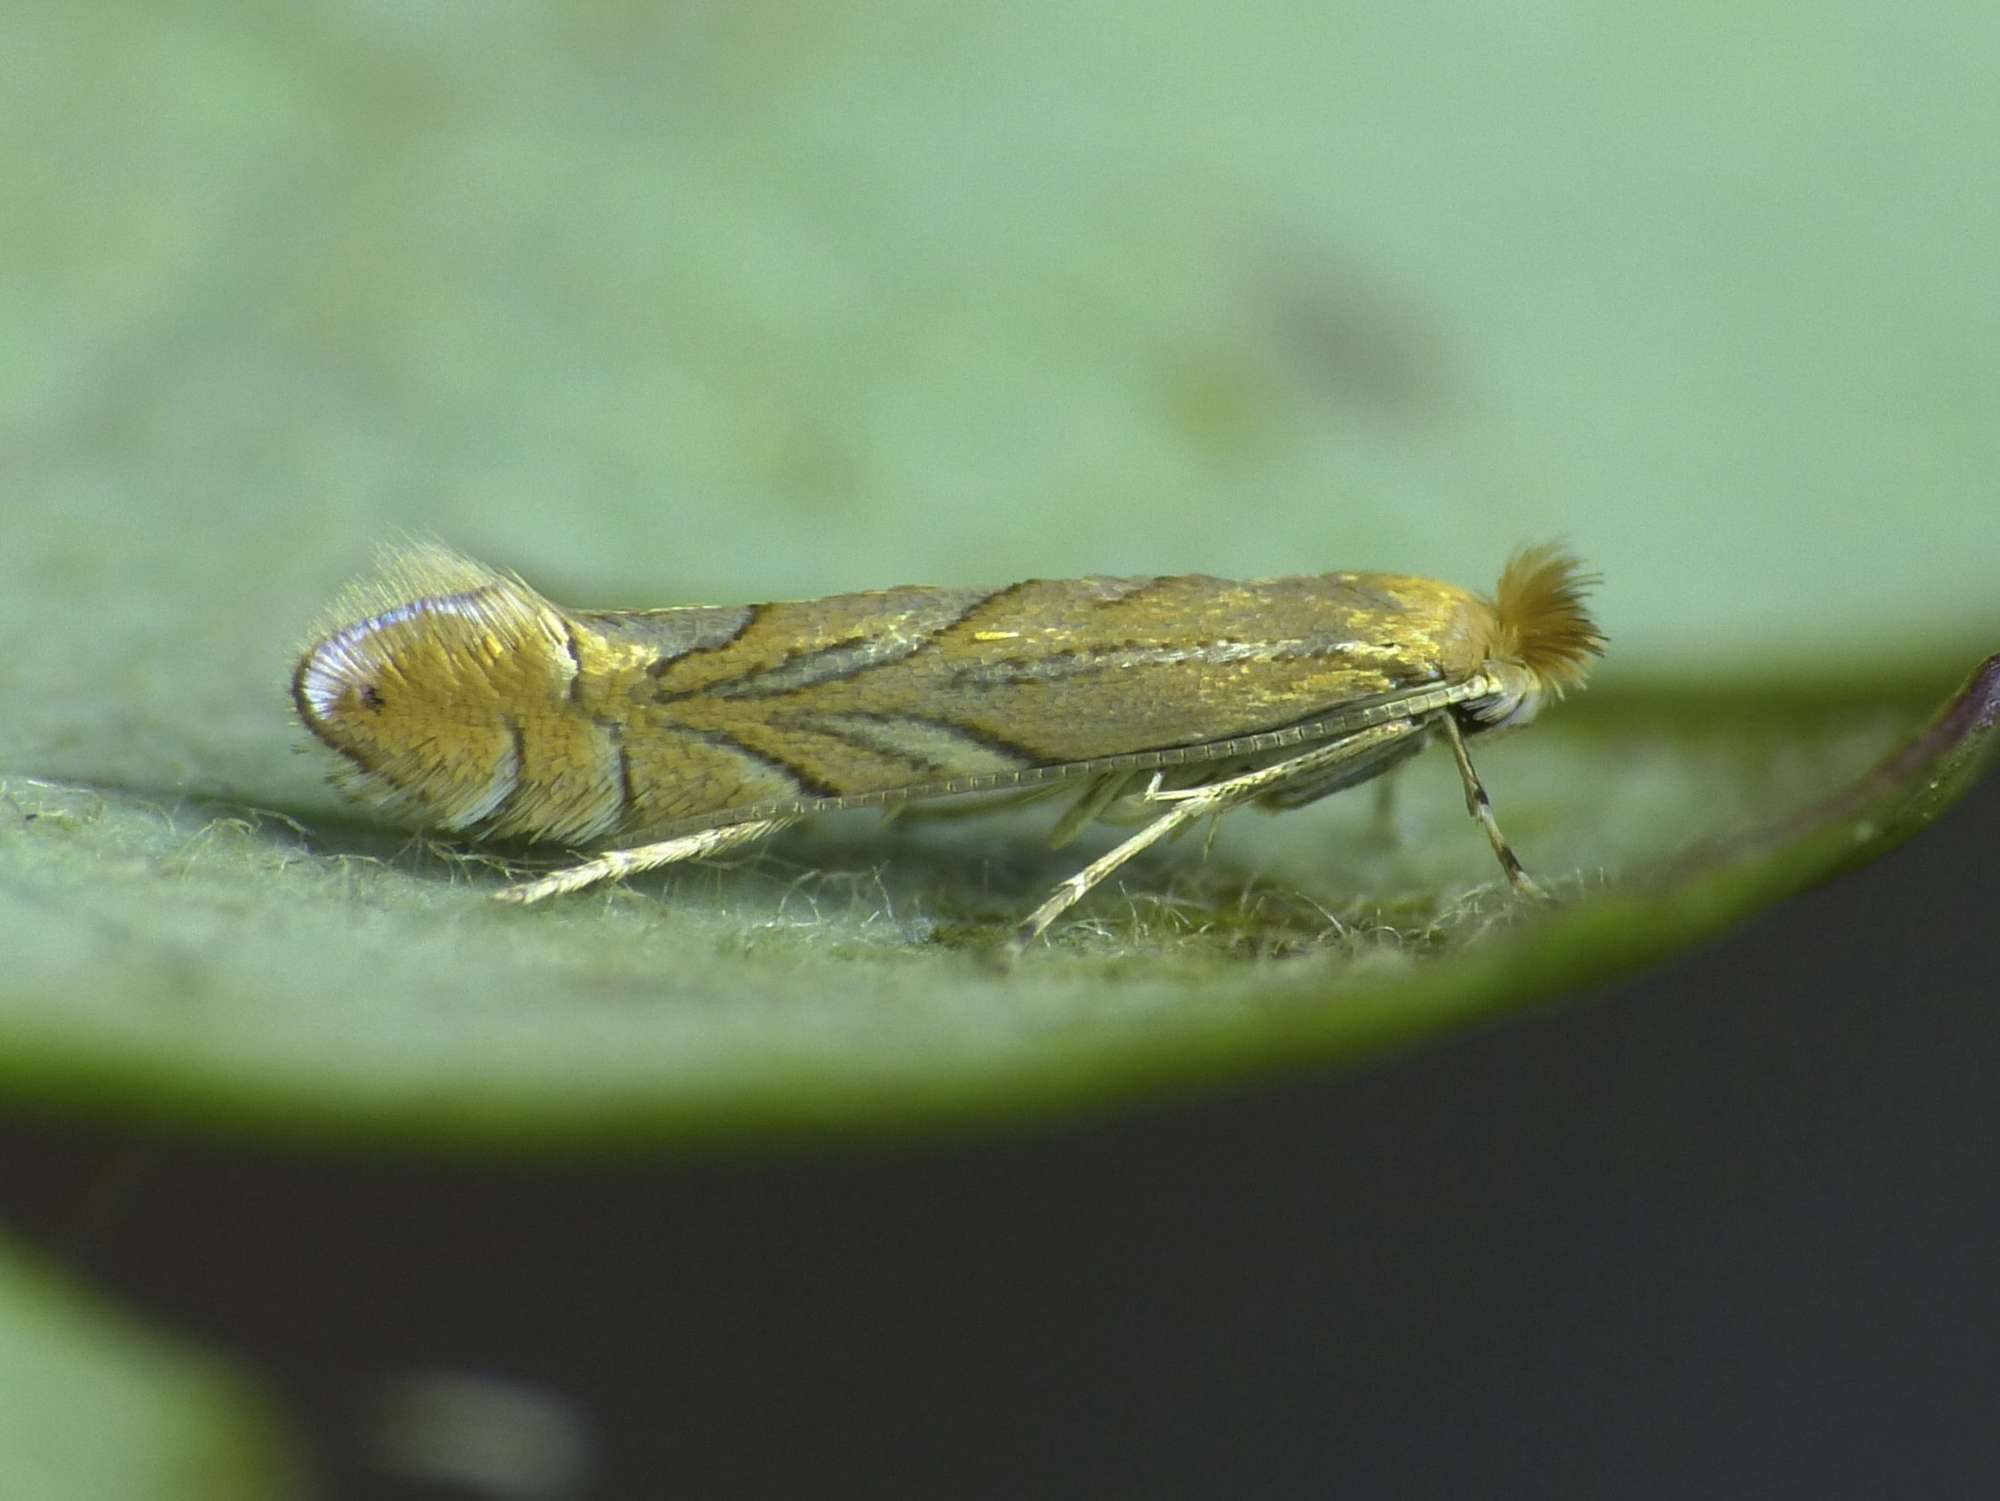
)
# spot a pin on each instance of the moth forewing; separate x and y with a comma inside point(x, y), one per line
point(460, 698)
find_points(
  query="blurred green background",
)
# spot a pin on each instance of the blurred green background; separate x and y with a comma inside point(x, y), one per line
point(702, 302)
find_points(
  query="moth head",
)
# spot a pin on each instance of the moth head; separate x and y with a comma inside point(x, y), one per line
point(419, 681)
point(1539, 636)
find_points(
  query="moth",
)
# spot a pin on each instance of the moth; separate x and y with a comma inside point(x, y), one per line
point(460, 699)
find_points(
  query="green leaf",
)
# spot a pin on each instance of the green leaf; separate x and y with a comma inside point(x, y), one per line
point(93, 1407)
point(771, 301)
point(211, 963)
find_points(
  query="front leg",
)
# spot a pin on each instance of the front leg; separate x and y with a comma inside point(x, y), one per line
point(618, 864)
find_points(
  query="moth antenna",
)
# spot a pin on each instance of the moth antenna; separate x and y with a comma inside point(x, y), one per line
point(1542, 621)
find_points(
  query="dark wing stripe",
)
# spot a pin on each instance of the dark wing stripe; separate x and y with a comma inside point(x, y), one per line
point(829, 664)
point(1137, 588)
point(1060, 665)
point(804, 784)
point(949, 731)
point(615, 732)
point(933, 747)
point(827, 727)
point(575, 660)
point(842, 661)
point(667, 661)
point(502, 807)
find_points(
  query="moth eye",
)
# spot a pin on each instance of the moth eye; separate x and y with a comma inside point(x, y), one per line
point(371, 696)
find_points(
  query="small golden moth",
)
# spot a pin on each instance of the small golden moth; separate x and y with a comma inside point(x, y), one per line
point(458, 697)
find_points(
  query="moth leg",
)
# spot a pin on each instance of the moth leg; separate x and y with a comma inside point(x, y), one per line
point(1305, 767)
point(1382, 825)
point(1185, 804)
point(1098, 796)
point(617, 864)
point(1480, 806)
point(1068, 893)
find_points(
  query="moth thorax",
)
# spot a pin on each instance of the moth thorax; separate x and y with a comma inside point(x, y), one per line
point(425, 701)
